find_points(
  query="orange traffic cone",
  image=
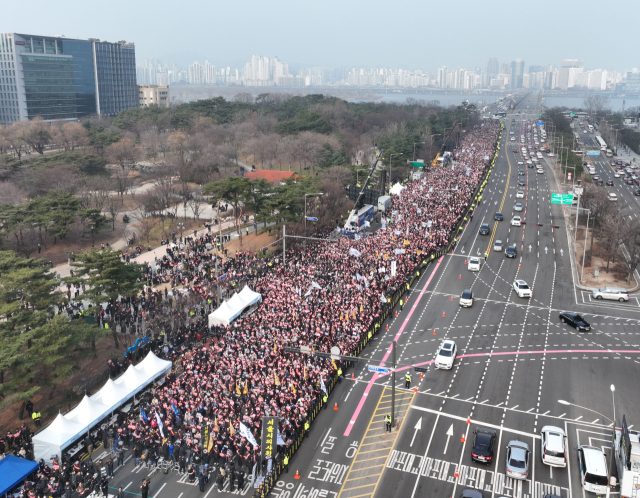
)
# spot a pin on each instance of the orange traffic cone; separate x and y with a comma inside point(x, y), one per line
point(387, 326)
point(468, 420)
point(460, 277)
point(462, 438)
point(396, 313)
point(353, 376)
point(421, 376)
point(443, 315)
point(415, 390)
point(336, 406)
point(452, 298)
point(456, 474)
point(434, 331)
point(465, 261)
point(297, 476)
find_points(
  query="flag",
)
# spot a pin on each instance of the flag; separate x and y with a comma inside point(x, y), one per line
point(237, 388)
point(275, 347)
point(159, 424)
point(384, 224)
point(366, 223)
point(356, 237)
point(275, 379)
point(143, 416)
point(246, 433)
point(315, 285)
point(280, 441)
point(215, 423)
point(358, 276)
point(245, 389)
point(293, 389)
point(304, 369)
point(399, 251)
point(355, 252)
point(333, 362)
point(175, 410)
point(323, 387)
point(230, 428)
point(210, 445)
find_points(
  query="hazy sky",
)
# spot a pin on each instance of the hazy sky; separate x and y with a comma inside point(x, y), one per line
point(413, 34)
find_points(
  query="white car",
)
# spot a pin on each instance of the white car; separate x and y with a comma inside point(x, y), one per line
point(553, 442)
point(616, 175)
point(517, 207)
point(520, 163)
point(497, 246)
point(474, 264)
point(522, 288)
point(519, 194)
point(446, 355)
point(516, 221)
point(540, 171)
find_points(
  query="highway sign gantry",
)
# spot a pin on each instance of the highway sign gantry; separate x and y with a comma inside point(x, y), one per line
point(561, 198)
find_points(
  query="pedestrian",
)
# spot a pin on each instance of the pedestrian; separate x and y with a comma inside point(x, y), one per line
point(286, 464)
point(387, 422)
point(120, 493)
point(36, 417)
point(110, 468)
point(144, 489)
point(401, 304)
point(120, 456)
point(201, 481)
point(407, 380)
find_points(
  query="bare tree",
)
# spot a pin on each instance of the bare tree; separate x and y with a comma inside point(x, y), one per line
point(15, 138)
point(196, 204)
point(12, 194)
point(37, 134)
point(70, 136)
point(631, 239)
point(114, 207)
point(596, 104)
point(243, 97)
point(612, 234)
point(124, 153)
point(123, 182)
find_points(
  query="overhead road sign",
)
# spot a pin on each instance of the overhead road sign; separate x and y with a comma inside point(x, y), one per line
point(380, 370)
point(561, 198)
point(593, 153)
point(540, 122)
point(312, 218)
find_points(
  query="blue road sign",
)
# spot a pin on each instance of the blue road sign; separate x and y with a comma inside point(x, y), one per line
point(380, 370)
point(593, 153)
point(540, 122)
point(309, 218)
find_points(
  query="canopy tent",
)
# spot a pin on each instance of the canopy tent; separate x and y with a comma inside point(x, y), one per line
point(13, 471)
point(237, 303)
point(250, 296)
point(66, 429)
point(224, 315)
point(396, 189)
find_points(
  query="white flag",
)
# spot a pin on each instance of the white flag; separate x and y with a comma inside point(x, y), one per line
point(323, 387)
point(382, 298)
point(315, 285)
point(366, 223)
point(384, 224)
point(159, 420)
point(280, 440)
point(246, 433)
point(355, 252)
point(393, 268)
point(399, 251)
point(357, 237)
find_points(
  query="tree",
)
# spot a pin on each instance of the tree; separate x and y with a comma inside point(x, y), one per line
point(114, 207)
point(233, 190)
point(37, 134)
point(71, 135)
point(106, 277)
point(124, 153)
point(15, 138)
point(631, 239)
point(257, 197)
point(596, 104)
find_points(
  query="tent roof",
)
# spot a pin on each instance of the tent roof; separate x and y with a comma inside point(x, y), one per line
point(111, 394)
point(396, 189)
point(13, 470)
point(250, 296)
point(60, 431)
point(88, 412)
point(153, 366)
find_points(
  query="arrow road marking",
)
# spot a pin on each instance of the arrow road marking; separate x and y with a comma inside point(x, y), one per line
point(417, 428)
point(449, 434)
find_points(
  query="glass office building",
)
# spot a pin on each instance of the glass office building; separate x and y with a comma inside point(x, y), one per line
point(60, 78)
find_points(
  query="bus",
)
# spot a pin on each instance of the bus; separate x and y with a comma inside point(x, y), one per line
point(499, 114)
point(601, 142)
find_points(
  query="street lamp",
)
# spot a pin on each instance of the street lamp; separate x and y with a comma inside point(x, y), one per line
point(390, 156)
point(414, 149)
point(305, 211)
point(181, 225)
point(563, 402)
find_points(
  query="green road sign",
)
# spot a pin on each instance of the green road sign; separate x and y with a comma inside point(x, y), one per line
point(417, 165)
point(561, 199)
point(572, 114)
point(539, 114)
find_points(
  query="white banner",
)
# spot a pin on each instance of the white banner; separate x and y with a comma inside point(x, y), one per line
point(393, 268)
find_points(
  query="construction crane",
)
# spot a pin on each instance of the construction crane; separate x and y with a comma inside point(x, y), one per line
point(357, 216)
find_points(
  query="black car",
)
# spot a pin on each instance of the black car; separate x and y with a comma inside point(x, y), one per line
point(609, 183)
point(498, 216)
point(636, 191)
point(530, 165)
point(522, 182)
point(483, 443)
point(575, 320)
point(521, 172)
point(484, 229)
point(471, 493)
point(511, 252)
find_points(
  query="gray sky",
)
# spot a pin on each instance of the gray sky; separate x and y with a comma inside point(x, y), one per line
point(413, 34)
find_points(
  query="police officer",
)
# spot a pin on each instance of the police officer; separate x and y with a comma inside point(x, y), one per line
point(401, 304)
point(286, 463)
point(324, 400)
point(387, 422)
point(306, 428)
point(407, 380)
point(486, 255)
point(36, 417)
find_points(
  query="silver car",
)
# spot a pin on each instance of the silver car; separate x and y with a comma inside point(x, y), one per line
point(517, 460)
point(517, 207)
point(497, 246)
point(613, 293)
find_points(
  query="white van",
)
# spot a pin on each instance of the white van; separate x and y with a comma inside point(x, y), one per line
point(613, 197)
point(593, 469)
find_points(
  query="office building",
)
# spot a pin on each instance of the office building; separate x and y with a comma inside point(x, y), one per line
point(153, 95)
point(517, 73)
point(493, 67)
point(633, 83)
point(60, 78)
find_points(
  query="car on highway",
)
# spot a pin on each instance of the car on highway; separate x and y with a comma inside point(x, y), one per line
point(446, 355)
point(518, 454)
point(517, 207)
point(520, 163)
point(466, 298)
point(553, 446)
point(522, 182)
point(498, 216)
point(539, 171)
point(519, 194)
point(593, 469)
point(473, 264)
point(612, 293)
point(484, 229)
point(613, 197)
point(609, 183)
point(530, 164)
point(516, 221)
point(522, 288)
point(484, 442)
point(636, 192)
point(575, 320)
point(471, 493)
point(511, 252)
point(629, 181)
point(497, 246)
point(515, 151)
point(616, 174)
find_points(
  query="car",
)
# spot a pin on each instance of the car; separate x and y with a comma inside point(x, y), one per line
point(540, 171)
point(520, 163)
point(511, 252)
point(519, 194)
point(515, 151)
point(613, 197)
point(473, 264)
point(575, 320)
point(484, 441)
point(609, 183)
point(484, 229)
point(530, 165)
point(522, 182)
point(446, 355)
point(593, 469)
point(517, 460)
point(516, 221)
point(636, 192)
point(616, 174)
point(498, 216)
point(466, 298)
point(553, 446)
point(497, 246)
point(612, 293)
point(522, 288)
point(521, 172)
point(517, 207)
point(595, 177)
point(471, 493)
point(629, 181)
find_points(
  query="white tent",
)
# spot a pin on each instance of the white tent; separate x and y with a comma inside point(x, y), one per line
point(60, 434)
point(396, 189)
point(237, 303)
point(66, 429)
point(250, 296)
point(224, 315)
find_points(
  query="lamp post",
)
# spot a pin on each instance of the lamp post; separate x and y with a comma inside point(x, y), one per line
point(390, 156)
point(181, 225)
point(305, 211)
point(414, 149)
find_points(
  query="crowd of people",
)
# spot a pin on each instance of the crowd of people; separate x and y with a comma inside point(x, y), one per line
point(207, 416)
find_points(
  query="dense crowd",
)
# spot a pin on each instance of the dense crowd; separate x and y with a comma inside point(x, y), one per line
point(329, 294)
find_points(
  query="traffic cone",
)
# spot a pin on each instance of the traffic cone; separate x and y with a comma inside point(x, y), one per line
point(465, 261)
point(396, 313)
point(421, 376)
point(335, 407)
point(387, 326)
point(297, 476)
point(352, 376)
point(468, 420)
point(443, 315)
point(434, 331)
point(462, 438)
point(452, 298)
point(460, 277)
point(415, 390)
point(456, 474)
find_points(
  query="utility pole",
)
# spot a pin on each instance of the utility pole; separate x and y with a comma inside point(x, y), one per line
point(217, 284)
point(284, 245)
point(393, 382)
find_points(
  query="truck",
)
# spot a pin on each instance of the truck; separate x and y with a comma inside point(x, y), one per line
point(627, 459)
point(355, 222)
point(384, 201)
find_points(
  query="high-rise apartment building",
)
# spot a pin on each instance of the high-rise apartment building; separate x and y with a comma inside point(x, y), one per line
point(517, 72)
point(196, 74)
point(493, 67)
point(209, 73)
point(62, 78)
point(568, 71)
point(633, 83)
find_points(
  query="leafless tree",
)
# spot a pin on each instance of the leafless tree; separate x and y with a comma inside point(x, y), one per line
point(114, 207)
point(596, 104)
point(631, 239)
point(243, 97)
point(122, 182)
point(37, 134)
point(196, 204)
point(70, 136)
point(12, 194)
point(14, 136)
point(124, 153)
point(612, 234)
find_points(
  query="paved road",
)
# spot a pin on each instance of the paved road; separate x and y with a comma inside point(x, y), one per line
point(515, 361)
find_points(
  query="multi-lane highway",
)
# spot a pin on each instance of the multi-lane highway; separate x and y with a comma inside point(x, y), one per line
point(515, 360)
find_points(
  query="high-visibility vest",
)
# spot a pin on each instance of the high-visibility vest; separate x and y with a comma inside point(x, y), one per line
point(387, 418)
point(407, 377)
point(286, 460)
point(339, 371)
point(306, 426)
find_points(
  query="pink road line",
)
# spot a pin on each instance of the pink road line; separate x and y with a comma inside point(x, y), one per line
point(375, 376)
point(515, 353)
